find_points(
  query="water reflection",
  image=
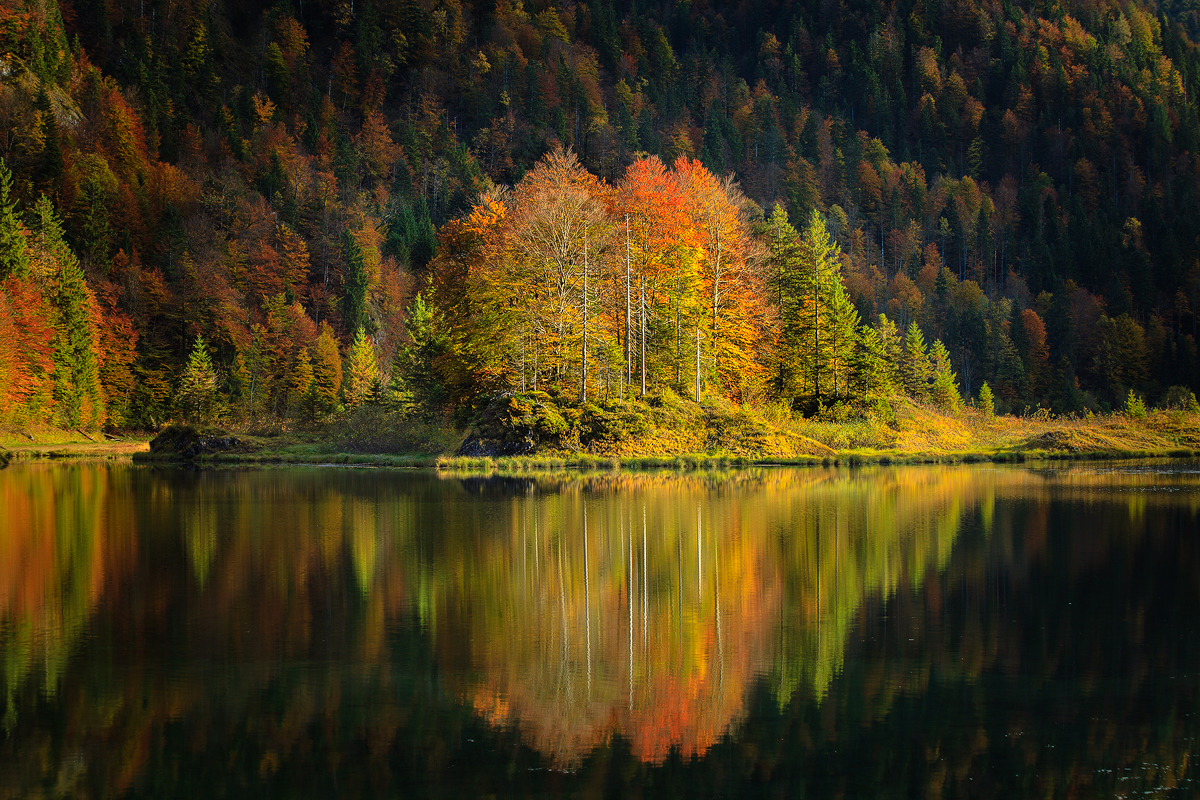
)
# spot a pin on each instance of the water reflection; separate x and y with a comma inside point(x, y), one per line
point(298, 620)
point(645, 605)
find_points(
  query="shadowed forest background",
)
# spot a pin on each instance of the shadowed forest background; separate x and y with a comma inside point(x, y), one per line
point(289, 210)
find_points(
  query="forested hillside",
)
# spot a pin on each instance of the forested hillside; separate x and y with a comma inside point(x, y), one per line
point(251, 210)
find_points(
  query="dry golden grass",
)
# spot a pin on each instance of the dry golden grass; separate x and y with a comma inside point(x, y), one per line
point(46, 442)
point(768, 434)
point(923, 430)
point(720, 428)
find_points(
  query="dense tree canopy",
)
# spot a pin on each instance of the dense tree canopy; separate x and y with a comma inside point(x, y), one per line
point(1021, 182)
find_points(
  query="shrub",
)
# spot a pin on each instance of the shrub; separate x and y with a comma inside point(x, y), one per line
point(1135, 408)
point(612, 422)
point(987, 401)
point(1180, 398)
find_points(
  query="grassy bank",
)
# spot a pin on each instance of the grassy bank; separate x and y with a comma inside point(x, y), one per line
point(535, 433)
point(55, 443)
point(526, 433)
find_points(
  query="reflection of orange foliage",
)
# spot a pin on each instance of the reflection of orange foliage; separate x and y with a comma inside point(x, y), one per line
point(286, 567)
point(657, 641)
point(33, 557)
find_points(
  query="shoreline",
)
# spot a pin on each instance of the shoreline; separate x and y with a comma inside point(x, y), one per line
point(925, 437)
point(139, 453)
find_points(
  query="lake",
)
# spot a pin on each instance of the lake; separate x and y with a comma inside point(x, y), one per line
point(932, 631)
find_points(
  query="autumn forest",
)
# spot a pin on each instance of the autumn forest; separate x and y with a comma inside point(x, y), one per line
point(235, 212)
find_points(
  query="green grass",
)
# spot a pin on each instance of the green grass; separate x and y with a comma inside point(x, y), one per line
point(681, 436)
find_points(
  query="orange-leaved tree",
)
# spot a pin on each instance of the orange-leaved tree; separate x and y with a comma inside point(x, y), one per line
point(735, 294)
point(556, 228)
point(656, 252)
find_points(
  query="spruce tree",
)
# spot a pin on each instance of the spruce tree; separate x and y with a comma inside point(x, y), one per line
point(807, 285)
point(13, 257)
point(354, 295)
point(842, 336)
point(95, 234)
point(418, 361)
point(50, 162)
point(196, 398)
point(784, 266)
point(362, 371)
point(301, 397)
point(891, 346)
point(987, 401)
point(945, 382)
point(818, 272)
point(915, 369)
point(77, 390)
point(327, 372)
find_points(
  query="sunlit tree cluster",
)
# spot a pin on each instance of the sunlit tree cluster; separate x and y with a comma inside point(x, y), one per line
point(664, 280)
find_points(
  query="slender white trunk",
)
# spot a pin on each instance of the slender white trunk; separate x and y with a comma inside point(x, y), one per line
point(583, 381)
point(628, 312)
point(643, 336)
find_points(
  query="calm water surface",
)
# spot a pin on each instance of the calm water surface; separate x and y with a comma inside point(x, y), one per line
point(877, 632)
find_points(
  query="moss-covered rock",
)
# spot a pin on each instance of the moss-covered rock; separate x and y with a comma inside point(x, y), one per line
point(188, 443)
point(512, 424)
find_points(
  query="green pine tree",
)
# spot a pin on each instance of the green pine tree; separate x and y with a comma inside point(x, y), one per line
point(354, 296)
point(13, 257)
point(77, 390)
point(327, 372)
point(418, 361)
point(915, 370)
point(362, 371)
point(987, 402)
point(807, 285)
point(945, 383)
point(784, 266)
point(50, 162)
point(196, 397)
point(843, 334)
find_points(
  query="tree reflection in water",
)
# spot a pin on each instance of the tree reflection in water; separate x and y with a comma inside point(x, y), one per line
point(269, 628)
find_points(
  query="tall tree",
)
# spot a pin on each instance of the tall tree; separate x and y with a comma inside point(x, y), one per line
point(327, 372)
point(817, 318)
point(77, 392)
point(649, 206)
point(915, 369)
point(733, 289)
point(196, 397)
point(356, 283)
point(556, 214)
point(362, 370)
point(13, 259)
